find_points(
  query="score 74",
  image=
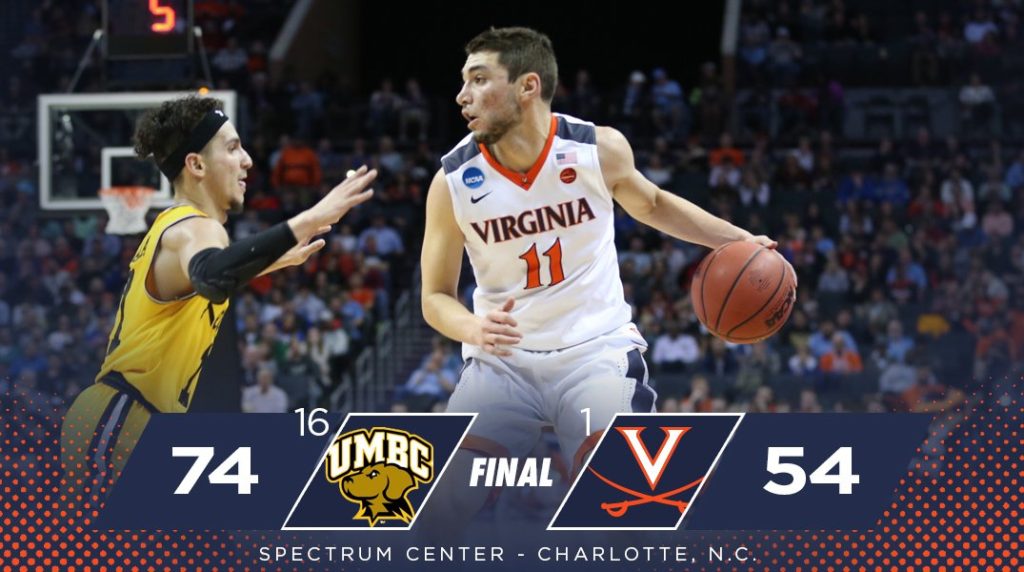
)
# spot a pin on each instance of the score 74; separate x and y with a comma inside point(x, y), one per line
point(242, 457)
point(842, 460)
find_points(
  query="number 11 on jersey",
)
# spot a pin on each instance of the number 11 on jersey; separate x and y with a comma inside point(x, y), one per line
point(554, 255)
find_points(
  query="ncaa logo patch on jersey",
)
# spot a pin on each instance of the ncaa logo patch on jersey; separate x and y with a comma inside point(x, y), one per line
point(378, 471)
point(473, 177)
point(646, 472)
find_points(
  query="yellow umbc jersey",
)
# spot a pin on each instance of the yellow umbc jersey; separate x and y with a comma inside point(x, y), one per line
point(159, 346)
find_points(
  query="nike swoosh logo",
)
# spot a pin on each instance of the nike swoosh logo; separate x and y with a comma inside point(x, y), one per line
point(475, 200)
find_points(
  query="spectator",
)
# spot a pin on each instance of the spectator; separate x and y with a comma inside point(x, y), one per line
point(264, 397)
point(796, 109)
point(977, 102)
point(809, 402)
point(297, 165)
point(784, 57)
point(804, 155)
point(637, 255)
point(719, 360)
point(299, 374)
point(320, 354)
point(389, 157)
point(336, 341)
point(997, 223)
point(906, 279)
point(979, 25)
point(231, 60)
point(675, 350)
point(892, 188)
point(994, 187)
point(384, 108)
point(669, 112)
point(928, 395)
point(763, 401)
point(387, 240)
point(725, 177)
point(896, 377)
point(755, 36)
point(709, 99)
point(726, 150)
point(753, 191)
point(699, 399)
point(840, 359)
point(586, 100)
point(821, 341)
point(924, 61)
point(897, 345)
point(858, 186)
point(756, 366)
point(415, 112)
point(657, 171)
point(308, 108)
point(802, 363)
point(1015, 173)
point(428, 384)
point(634, 98)
point(957, 193)
point(834, 279)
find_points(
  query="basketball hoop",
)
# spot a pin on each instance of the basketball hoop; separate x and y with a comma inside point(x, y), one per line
point(127, 208)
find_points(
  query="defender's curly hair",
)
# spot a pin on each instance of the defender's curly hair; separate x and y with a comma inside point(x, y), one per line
point(159, 131)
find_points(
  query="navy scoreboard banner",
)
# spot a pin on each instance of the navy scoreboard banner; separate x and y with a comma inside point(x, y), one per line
point(653, 472)
point(313, 490)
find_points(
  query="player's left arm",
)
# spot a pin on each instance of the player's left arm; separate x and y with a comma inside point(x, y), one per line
point(657, 208)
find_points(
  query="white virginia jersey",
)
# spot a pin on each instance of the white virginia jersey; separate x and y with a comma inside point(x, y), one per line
point(545, 238)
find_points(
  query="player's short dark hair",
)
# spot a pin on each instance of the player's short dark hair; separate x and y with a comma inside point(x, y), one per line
point(521, 50)
point(160, 131)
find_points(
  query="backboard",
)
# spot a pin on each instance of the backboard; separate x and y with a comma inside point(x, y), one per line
point(85, 144)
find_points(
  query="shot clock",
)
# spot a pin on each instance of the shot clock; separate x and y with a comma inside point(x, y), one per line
point(135, 29)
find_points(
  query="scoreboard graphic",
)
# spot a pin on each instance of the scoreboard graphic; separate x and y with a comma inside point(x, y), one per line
point(313, 490)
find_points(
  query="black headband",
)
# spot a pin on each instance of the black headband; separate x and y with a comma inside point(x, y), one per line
point(200, 136)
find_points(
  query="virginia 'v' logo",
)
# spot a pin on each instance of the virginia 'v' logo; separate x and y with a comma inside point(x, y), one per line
point(645, 472)
point(652, 467)
point(377, 469)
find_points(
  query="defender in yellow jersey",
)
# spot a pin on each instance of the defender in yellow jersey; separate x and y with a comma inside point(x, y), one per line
point(178, 288)
point(139, 349)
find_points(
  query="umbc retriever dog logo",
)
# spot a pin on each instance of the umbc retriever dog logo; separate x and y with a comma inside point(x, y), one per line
point(377, 469)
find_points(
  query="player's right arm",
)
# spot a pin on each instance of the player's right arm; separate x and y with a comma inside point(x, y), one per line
point(196, 254)
point(441, 262)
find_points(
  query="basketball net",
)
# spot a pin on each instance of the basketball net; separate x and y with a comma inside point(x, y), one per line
point(126, 207)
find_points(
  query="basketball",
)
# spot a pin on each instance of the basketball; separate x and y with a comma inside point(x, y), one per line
point(743, 292)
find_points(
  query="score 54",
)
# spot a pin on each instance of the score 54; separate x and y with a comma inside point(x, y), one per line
point(841, 461)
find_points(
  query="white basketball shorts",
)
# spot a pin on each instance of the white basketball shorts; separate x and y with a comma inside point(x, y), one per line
point(576, 390)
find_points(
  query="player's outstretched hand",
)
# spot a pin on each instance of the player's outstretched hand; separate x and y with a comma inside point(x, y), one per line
point(763, 241)
point(497, 330)
point(347, 194)
point(301, 252)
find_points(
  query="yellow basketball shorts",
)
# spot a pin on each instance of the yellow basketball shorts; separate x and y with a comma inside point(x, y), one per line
point(100, 431)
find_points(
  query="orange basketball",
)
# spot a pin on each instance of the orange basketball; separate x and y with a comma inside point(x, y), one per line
point(743, 292)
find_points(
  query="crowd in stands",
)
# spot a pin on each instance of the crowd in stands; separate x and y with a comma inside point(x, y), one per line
point(910, 255)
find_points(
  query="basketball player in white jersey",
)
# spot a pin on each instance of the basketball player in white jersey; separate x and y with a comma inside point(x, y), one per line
point(529, 195)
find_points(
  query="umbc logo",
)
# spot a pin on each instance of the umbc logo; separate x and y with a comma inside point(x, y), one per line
point(646, 472)
point(377, 469)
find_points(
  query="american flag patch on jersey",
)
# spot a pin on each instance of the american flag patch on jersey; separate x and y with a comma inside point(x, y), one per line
point(565, 158)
